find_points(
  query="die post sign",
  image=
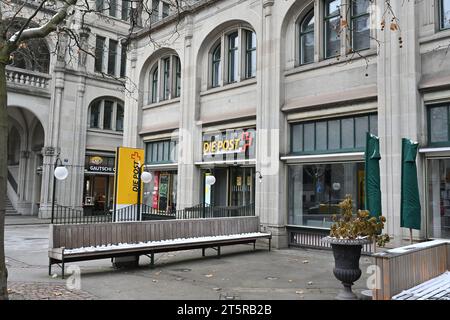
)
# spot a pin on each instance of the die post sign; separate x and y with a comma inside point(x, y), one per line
point(128, 164)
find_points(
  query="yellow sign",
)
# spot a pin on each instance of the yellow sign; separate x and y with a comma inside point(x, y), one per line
point(129, 163)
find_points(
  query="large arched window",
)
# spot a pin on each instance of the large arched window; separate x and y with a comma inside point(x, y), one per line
point(106, 114)
point(238, 47)
point(165, 79)
point(307, 38)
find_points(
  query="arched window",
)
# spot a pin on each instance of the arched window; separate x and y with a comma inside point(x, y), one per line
point(165, 79)
point(106, 114)
point(155, 85)
point(307, 38)
point(238, 60)
point(216, 66)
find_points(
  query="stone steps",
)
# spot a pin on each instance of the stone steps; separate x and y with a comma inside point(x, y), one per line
point(10, 211)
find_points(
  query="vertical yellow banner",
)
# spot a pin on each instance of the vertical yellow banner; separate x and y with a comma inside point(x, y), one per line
point(129, 162)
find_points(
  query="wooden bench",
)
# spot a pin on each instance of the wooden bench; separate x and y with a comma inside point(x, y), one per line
point(81, 242)
point(404, 268)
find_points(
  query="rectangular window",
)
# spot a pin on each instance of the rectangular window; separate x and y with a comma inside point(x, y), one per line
point(112, 56)
point(161, 152)
point(438, 181)
point(438, 125)
point(119, 118)
point(332, 28)
point(250, 59)
point(315, 191)
point(166, 79)
point(216, 66)
point(155, 76)
point(125, 12)
point(155, 11)
point(123, 61)
point(445, 14)
point(99, 52)
point(107, 115)
point(95, 115)
point(233, 58)
point(112, 8)
point(360, 24)
point(177, 77)
point(166, 10)
point(334, 135)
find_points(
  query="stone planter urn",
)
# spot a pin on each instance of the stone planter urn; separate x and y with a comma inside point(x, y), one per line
point(346, 263)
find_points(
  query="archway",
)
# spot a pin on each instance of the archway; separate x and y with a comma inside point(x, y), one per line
point(25, 142)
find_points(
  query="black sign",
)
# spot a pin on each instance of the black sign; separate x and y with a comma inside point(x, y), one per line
point(100, 164)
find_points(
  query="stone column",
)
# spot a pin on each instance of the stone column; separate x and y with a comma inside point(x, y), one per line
point(270, 194)
point(133, 102)
point(399, 105)
point(190, 134)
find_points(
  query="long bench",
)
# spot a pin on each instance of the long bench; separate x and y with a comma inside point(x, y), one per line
point(81, 242)
point(406, 267)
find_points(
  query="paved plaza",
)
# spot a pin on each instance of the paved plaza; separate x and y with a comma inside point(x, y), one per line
point(240, 274)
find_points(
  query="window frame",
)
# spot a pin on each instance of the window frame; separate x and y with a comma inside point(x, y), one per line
point(314, 151)
point(100, 103)
point(232, 54)
point(155, 84)
point(165, 84)
point(326, 19)
point(302, 34)
point(441, 16)
point(167, 147)
point(112, 54)
point(353, 18)
point(216, 48)
point(428, 110)
point(249, 51)
point(99, 53)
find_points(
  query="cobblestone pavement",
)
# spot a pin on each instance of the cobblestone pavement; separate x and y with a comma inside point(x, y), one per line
point(44, 291)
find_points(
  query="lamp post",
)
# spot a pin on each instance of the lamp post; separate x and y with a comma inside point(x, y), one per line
point(60, 172)
point(145, 177)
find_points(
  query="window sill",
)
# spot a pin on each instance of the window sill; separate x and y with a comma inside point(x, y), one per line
point(161, 103)
point(230, 86)
point(438, 35)
point(111, 132)
point(359, 55)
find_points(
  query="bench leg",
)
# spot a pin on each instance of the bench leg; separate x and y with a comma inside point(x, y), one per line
point(62, 267)
point(152, 260)
point(254, 245)
point(270, 243)
point(218, 252)
point(50, 266)
point(203, 252)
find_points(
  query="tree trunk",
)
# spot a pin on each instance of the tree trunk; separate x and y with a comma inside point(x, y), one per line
point(3, 177)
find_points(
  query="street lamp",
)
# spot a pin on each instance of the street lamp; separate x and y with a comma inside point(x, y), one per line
point(145, 177)
point(60, 172)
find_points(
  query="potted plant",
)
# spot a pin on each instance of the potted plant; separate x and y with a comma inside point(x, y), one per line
point(347, 236)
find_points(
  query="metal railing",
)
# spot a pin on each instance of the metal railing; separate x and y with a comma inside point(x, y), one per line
point(67, 215)
point(12, 181)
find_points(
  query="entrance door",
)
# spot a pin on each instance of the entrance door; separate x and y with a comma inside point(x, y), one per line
point(242, 186)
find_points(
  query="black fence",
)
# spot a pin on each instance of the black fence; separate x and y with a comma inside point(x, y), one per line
point(67, 215)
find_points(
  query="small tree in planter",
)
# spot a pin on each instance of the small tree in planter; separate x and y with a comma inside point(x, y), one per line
point(347, 236)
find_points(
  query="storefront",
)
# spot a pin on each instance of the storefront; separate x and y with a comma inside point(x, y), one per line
point(326, 163)
point(229, 156)
point(161, 160)
point(98, 183)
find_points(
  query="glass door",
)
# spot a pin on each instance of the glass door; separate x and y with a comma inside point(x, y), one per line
point(242, 182)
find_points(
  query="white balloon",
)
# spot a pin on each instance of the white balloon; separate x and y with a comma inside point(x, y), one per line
point(146, 177)
point(210, 180)
point(61, 173)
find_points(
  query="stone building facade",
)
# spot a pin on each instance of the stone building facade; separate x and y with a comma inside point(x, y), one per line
point(273, 98)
